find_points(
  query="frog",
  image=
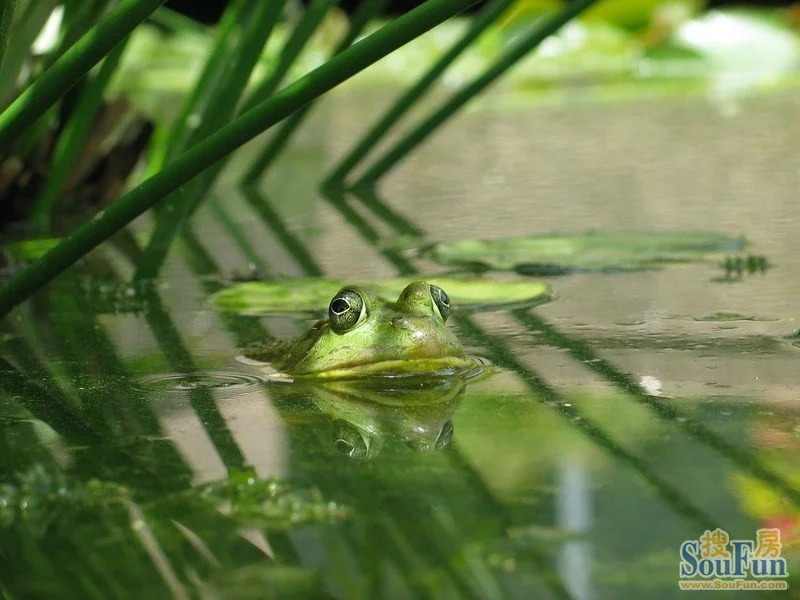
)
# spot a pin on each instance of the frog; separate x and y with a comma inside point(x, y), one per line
point(365, 335)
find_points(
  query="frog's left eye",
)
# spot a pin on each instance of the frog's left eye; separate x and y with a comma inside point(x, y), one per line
point(441, 300)
point(345, 310)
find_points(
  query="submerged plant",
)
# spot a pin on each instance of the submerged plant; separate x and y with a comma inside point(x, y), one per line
point(249, 499)
point(40, 499)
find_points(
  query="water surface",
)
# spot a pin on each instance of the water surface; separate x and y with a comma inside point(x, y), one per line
point(142, 460)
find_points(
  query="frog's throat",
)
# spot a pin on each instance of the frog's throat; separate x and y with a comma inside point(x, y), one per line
point(395, 367)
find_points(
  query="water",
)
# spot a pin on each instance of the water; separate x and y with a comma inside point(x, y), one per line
point(625, 417)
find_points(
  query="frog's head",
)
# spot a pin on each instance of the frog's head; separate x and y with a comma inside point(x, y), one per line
point(367, 336)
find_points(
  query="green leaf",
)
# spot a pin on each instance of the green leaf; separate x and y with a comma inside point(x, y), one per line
point(593, 251)
point(313, 294)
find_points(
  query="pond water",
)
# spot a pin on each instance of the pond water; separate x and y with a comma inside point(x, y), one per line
point(632, 413)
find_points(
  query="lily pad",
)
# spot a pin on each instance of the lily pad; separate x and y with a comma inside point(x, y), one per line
point(313, 294)
point(593, 251)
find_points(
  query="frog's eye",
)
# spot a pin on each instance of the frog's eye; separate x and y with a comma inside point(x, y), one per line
point(345, 310)
point(445, 435)
point(352, 442)
point(441, 300)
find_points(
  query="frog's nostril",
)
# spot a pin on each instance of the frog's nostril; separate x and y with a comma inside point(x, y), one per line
point(401, 322)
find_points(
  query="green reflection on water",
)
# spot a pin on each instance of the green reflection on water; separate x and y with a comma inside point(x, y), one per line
point(516, 486)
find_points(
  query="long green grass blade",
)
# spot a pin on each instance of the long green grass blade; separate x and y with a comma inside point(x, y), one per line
point(78, 17)
point(26, 29)
point(71, 67)
point(74, 135)
point(205, 88)
point(239, 68)
point(241, 130)
point(522, 46)
point(381, 127)
point(7, 10)
point(302, 32)
point(220, 109)
point(368, 10)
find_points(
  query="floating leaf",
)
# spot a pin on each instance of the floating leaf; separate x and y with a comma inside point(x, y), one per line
point(314, 294)
point(594, 251)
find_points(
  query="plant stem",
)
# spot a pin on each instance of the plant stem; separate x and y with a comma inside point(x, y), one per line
point(26, 29)
point(241, 130)
point(7, 9)
point(537, 34)
point(205, 87)
point(302, 32)
point(71, 67)
point(407, 99)
point(238, 68)
point(368, 10)
point(72, 139)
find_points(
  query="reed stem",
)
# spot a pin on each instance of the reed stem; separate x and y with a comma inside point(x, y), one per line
point(241, 130)
point(368, 10)
point(382, 126)
point(526, 43)
point(71, 67)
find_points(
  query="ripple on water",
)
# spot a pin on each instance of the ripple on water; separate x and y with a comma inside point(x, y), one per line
point(224, 381)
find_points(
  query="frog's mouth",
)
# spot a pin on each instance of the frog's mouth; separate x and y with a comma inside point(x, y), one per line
point(444, 366)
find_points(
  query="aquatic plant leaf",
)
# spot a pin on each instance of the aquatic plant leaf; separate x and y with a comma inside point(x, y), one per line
point(250, 499)
point(313, 294)
point(593, 251)
point(40, 499)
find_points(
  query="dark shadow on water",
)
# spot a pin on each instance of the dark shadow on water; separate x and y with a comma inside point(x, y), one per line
point(261, 205)
point(338, 199)
point(200, 397)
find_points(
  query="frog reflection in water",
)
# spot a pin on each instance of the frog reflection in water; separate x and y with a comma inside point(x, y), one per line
point(358, 416)
point(366, 336)
point(376, 370)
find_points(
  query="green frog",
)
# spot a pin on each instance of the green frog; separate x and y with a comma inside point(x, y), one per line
point(367, 336)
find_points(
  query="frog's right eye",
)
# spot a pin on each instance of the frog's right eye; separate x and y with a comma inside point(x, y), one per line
point(354, 443)
point(345, 310)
